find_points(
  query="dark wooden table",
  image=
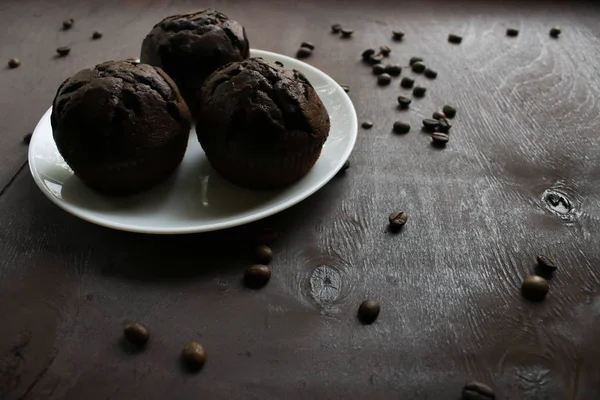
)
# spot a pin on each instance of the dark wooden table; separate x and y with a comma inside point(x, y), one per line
point(449, 283)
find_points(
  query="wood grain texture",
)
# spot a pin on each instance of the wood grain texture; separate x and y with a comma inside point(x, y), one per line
point(479, 210)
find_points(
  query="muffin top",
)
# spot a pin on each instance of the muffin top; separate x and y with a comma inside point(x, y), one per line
point(258, 107)
point(115, 111)
point(189, 47)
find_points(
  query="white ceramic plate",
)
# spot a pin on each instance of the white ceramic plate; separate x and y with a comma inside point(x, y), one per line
point(195, 198)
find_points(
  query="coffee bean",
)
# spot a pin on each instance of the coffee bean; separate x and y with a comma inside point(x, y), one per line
point(418, 67)
point(193, 355)
point(376, 58)
point(397, 35)
point(367, 54)
point(368, 311)
point(346, 88)
point(263, 254)
point(452, 38)
point(477, 391)
point(393, 69)
point(63, 50)
point(512, 32)
point(419, 91)
point(346, 33)
point(415, 60)
point(444, 126)
point(437, 115)
point(336, 28)
point(404, 101)
point(279, 63)
point(407, 82)
point(397, 219)
point(27, 138)
point(266, 236)
point(385, 50)
point(68, 23)
point(257, 276)
point(555, 32)
point(429, 73)
point(384, 79)
point(367, 125)
point(401, 127)
point(449, 111)
point(378, 69)
point(14, 63)
point(534, 288)
point(430, 124)
point(96, 35)
point(303, 52)
point(440, 138)
point(308, 45)
point(546, 264)
point(136, 333)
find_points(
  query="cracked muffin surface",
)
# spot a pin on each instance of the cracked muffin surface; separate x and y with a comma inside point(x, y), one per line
point(189, 47)
point(260, 125)
point(122, 127)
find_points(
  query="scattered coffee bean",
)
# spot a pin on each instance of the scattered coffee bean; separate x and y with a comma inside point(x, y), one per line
point(407, 82)
point(419, 91)
point(444, 126)
point(367, 125)
point(368, 311)
point(440, 138)
point(401, 127)
point(534, 287)
point(430, 124)
point(376, 58)
point(404, 101)
point(397, 35)
point(415, 60)
point(266, 236)
point(96, 35)
point(546, 264)
point(263, 254)
point(68, 23)
point(397, 219)
point(63, 50)
point(449, 111)
point(512, 32)
point(345, 166)
point(437, 115)
point(429, 73)
point(367, 54)
point(452, 38)
point(27, 138)
point(384, 79)
point(14, 63)
point(279, 63)
point(385, 50)
point(477, 391)
point(418, 67)
point(336, 28)
point(346, 33)
point(303, 52)
point(378, 69)
point(346, 88)
point(308, 45)
point(257, 276)
point(136, 333)
point(555, 32)
point(393, 69)
point(193, 355)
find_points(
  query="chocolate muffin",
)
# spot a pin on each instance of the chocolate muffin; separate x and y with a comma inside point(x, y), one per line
point(189, 47)
point(260, 125)
point(121, 126)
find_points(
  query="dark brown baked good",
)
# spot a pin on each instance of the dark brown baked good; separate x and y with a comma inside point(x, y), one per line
point(260, 125)
point(121, 126)
point(189, 47)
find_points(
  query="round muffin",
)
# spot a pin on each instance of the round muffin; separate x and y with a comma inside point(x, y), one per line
point(189, 47)
point(121, 126)
point(260, 125)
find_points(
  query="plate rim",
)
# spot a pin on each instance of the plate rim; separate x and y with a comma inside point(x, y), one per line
point(353, 132)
